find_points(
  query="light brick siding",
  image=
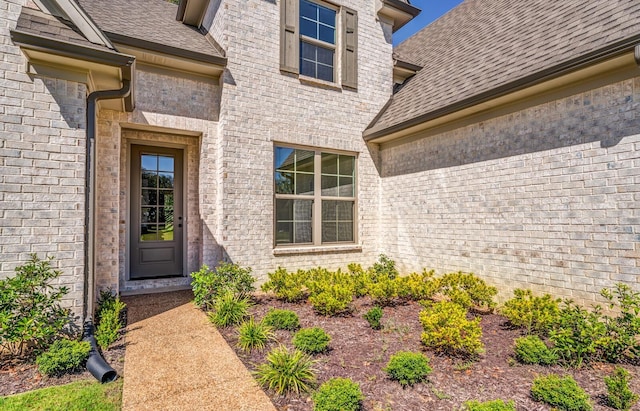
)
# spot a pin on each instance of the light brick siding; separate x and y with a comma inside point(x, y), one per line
point(262, 106)
point(42, 163)
point(159, 119)
point(546, 198)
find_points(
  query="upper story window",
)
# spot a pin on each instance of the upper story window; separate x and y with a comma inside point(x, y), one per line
point(319, 40)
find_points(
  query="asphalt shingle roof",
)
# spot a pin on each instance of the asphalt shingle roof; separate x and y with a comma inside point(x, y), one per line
point(33, 21)
point(483, 44)
point(149, 20)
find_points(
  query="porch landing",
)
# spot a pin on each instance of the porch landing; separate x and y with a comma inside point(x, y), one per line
point(175, 360)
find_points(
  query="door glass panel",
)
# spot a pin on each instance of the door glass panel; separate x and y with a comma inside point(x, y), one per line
point(157, 193)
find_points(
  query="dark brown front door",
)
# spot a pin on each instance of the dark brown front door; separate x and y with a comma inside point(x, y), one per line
point(157, 222)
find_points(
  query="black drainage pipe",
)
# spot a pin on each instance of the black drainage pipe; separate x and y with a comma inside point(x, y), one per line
point(96, 365)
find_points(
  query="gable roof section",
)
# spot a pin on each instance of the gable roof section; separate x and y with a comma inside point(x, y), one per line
point(483, 45)
point(39, 23)
point(151, 24)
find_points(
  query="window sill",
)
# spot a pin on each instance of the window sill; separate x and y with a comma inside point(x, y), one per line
point(312, 81)
point(323, 249)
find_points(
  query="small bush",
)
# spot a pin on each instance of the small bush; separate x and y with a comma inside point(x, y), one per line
point(286, 371)
point(373, 317)
point(110, 323)
point(383, 268)
point(385, 291)
point(408, 368)
point(338, 394)
point(622, 331)
point(561, 392)
point(311, 340)
point(495, 405)
point(418, 287)
point(63, 356)
point(467, 290)
point(619, 396)
point(578, 334)
point(532, 350)
point(30, 312)
point(335, 299)
point(229, 309)
point(208, 284)
point(254, 335)
point(534, 314)
point(446, 329)
point(360, 279)
point(287, 286)
point(282, 319)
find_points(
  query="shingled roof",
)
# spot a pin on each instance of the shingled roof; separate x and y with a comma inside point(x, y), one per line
point(38, 23)
point(484, 44)
point(152, 21)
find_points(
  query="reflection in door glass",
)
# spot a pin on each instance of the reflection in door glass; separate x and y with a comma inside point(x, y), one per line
point(157, 193)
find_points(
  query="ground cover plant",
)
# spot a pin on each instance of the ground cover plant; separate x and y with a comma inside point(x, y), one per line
point(338, 394)
point(532, 350)
point(561, 392)
point(63, 356)
point(80, 395)
point(361, 354)
point(282, 319)
point(495, 405)
point(311, 340)
point(408, 368)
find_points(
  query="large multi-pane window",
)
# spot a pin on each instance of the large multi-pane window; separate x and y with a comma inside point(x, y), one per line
point(315, 197)
point(317, 40)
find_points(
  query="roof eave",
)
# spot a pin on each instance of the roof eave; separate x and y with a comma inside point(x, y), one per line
point(174, 51)
point(630, 44)
point(400, 12)
point(124, 62)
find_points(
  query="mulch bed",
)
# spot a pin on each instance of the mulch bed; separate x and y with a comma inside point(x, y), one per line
point(360, 353)
point(17, 376)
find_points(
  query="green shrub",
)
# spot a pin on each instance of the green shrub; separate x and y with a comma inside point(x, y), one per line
point(63, 356)
point(619, 396)
point(335, 299)
point(254, 335)
point(561, 392)
point(110, 320)
point(373, 316)
point(495, 405)
point(208, 284)
point(30, 312)
point(229, 309)
point(535, 314)
point(622, 331)
point(360, 279)
point(385, 291)
point(446, 329)
point(311, 340)
point(418, 287)
point(338, 394)
point(287, 286)
point(282, 319)
point(578, 334)
point(467, 290)
point(532, 350)
point(285, 371)
point(383, 268)
point(408, 368)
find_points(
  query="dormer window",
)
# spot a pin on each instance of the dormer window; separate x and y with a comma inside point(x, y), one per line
point(317, 40)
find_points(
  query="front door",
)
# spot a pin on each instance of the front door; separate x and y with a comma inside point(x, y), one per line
point(156, 212)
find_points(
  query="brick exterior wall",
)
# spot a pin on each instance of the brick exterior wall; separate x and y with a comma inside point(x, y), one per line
point(160, 118)
point(546, 198)
point(42, 162)
point(261, 107)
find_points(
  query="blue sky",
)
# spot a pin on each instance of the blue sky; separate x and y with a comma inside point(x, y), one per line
point(431, 10)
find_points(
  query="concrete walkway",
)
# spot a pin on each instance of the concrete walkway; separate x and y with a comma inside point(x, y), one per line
point(176, 360)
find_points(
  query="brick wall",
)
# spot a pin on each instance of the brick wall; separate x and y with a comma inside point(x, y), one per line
point(42, 162)
point(261, 106)
point(163, 117)
point(546, 198)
